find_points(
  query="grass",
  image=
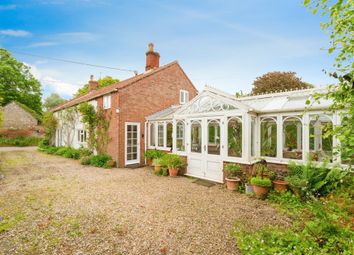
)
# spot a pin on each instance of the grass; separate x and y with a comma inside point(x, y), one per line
point(19, 141)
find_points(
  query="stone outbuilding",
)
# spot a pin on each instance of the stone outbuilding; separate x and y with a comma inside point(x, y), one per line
point(17, 116)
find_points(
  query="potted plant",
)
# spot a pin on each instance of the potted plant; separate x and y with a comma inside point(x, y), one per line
point(174, 162)
point(261, 186)
point(157, 165)
point(280, 185)
point(150, 155)
point(232, 180)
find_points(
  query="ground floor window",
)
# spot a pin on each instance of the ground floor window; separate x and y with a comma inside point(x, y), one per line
point(253, 136)
point(268, 137)
point(292, 138)
point(180, 136)
point(169, 129)
point(152, 134)
point(321, 144)
point(160, 135)
point(234, 136)
point(81, 136)
point(196, 137)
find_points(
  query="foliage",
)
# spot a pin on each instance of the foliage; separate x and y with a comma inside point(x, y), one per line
point(104, 82)
point(66, 152)
point(52, 101)
point(278, 81)
point(68, 119)
point(172, 161)
point(259, 181)
point(19, 141)
point(232, 170)
point(152, 154)
point(1, 116)
point(89, 118)
point(157, 161)
point(84, 152)
point(50, 124)
point(340, 27)
point(18, 84)
point(315, 180)
point(100, 160)
point(86, 160)
point(102, 127)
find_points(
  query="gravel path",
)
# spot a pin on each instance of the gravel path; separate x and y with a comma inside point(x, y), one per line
point(57, 206)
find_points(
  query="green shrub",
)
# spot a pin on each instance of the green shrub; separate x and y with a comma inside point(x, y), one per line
point(263, 182)
point(85, 160)
point(43, 143)
point(60, 151)
point(172, 160)
point(100, 160)
point(232, 170)
point(51, 150)
point(84, 152)
point(71, 153)
point(19, 141)
point(110, 164)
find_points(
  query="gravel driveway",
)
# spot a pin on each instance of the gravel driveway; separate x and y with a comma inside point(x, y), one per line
point(52, 205)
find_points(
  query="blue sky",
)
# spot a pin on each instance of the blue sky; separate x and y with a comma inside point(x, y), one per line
point(223, 43)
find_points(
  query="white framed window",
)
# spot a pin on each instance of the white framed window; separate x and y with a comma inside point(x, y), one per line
point(180, 136)
point(152, 134)
point(106, 101)
point(183, 96)
point(81, 136)
point(160, 135)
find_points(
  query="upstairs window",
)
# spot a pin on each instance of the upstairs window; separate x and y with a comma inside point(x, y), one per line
point(107, 102)
point(183, 96)
point(81, 136)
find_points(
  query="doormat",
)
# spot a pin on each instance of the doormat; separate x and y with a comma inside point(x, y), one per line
point(204, 183)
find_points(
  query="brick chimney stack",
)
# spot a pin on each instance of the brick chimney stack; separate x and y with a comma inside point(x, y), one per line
point(93, 85)
point(152, 58)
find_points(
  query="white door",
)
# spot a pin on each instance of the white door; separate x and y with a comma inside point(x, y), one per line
point(204, 156)
point(132, 143)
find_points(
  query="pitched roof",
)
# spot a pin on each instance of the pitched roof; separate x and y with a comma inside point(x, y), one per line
point(27, 109)
point(114, 87)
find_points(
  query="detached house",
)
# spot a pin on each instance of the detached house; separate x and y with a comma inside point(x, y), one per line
point(129, 102)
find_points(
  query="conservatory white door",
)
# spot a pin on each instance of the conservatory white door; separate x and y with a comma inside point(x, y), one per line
point(204, 157)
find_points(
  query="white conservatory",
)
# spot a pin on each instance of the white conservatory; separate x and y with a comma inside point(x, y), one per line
point(217, 127)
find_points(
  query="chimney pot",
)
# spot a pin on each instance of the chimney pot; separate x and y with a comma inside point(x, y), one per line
point(152, 58)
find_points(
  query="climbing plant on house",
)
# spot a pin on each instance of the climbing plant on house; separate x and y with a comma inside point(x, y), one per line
point(68, 118)
point(97, 124)
point(50, 124)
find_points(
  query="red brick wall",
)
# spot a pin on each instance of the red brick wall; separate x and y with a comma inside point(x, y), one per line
point(149, 95)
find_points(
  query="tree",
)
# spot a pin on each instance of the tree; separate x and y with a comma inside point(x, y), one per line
point(104, 82)
point(52, 101)
point(278, 81)
point(18, 84)
point(341, 29)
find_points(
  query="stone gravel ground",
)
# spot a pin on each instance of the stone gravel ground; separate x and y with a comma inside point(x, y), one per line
point(53, 205)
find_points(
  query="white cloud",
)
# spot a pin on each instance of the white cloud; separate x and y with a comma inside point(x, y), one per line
point(42, 44)
point(16, 33)
point(52, 84)
point(7, 7)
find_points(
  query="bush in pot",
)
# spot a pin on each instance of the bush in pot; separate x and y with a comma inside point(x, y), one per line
point(150, 155)
point(232, 172)
point(261, 186)
point(174, 162)
point(157, 165)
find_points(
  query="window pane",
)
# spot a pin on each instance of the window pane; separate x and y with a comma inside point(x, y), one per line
point(160, 135)
point(292, 138)
point(268, 138)
point(214, 138)
point(253, 137)
point(169, 134)
point(321, 145)
point(234, 138)
point(180, 136)
point(196, 137)
point(152, 134)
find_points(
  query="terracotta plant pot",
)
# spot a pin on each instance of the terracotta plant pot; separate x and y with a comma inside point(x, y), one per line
point(260, 191)
point(232, 183)
point(248, 189)
point(280, 186)
point(157, 169)
point(173, 171)
point(149, 162)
